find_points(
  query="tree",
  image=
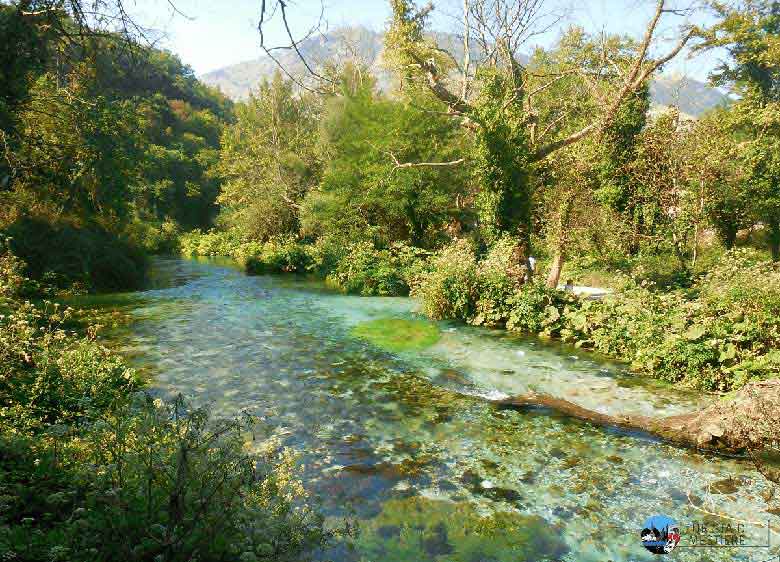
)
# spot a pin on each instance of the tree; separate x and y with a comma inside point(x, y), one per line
point(389, 173)
point(715, 171)
point(590, 178)
point(750, 32)
point(497, 101)
point(269, 161)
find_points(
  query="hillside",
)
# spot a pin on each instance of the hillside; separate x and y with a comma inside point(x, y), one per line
point(236, 81)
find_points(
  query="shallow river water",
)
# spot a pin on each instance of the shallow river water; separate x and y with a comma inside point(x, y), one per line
point(406, 444)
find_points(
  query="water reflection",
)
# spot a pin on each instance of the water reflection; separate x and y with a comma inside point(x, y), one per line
point(405, 443)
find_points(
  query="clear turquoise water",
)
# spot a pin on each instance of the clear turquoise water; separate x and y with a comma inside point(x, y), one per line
point(407, 445)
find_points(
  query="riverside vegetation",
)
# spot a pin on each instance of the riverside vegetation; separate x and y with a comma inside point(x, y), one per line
point(386, 194)
point(114, 150)
point(108, 147)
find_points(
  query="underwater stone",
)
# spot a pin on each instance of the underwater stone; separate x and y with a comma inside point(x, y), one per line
point(727, 485)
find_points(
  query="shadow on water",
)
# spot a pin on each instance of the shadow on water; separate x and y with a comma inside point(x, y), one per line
point(403, 441)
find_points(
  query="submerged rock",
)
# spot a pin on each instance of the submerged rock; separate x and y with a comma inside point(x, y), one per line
point(727, 485)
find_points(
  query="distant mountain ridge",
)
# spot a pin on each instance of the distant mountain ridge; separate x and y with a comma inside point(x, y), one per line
point(236, 81)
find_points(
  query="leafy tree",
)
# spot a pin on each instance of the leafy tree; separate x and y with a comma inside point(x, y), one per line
point(715, 172)
point(101, 133)
point(750, 32)
point(269, 161)
point(500, 92)
point(368, 187)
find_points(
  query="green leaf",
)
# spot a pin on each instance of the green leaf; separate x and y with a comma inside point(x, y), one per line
point(727, 353)
point(551, 313)
point(694, 333)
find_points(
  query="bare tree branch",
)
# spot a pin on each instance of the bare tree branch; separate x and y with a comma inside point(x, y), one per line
point(637, 76)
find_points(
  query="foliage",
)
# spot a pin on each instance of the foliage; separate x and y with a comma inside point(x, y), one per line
point(539, 309)
point(449, 290)
point(501, 155)
point(749, 33)
point(717, 335)
point(167, 479)
point(495, 287)
point(372, 187)
point(106, 136)
point(268, 161)
point(368, 271)
point(218, 243)
point(86, 460)
point(278, 256)
point(155, 238)
point(93, 258)
point(397, 334)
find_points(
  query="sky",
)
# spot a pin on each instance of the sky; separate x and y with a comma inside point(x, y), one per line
point(212, 34)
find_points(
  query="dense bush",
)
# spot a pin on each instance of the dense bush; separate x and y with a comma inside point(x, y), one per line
point(64, 254)
point(48, 376)
point(366, 270)
point(152, 481)
point(494, 286)
point(538, 309)
point(217, 243)
point(154, 237)
point(449, 290)
point(716, 335)
point(278, 256)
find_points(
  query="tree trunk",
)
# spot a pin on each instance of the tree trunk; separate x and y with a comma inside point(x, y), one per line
point(520, 268)
point(729, 237)
point(564, 216)
point(555, 270)
point(774, 241)
point(724, 426)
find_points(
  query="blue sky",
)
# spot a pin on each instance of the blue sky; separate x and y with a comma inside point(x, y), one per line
point(218, 33)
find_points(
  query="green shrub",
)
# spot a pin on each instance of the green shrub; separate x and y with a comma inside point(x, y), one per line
point(537, 309)
point(65, 255)
point(718, 335)
point(450, 289)
point(49, 376)
point(154, 481)
point(13, 283)
point(215, 243)
point(278, 256)
point(495, 287)
point(155, 237)
point(367, 271)
point(325, 254)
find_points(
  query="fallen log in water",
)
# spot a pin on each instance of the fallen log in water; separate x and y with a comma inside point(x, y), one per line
point(749, 419)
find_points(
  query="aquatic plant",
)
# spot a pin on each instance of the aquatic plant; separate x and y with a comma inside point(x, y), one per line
point(398, 334)
point(419, 528)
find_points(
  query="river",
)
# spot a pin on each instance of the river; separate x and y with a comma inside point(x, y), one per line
point(406, 444)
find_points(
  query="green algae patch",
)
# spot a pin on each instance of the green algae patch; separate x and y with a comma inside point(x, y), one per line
point(397, 334)
point(419, 528)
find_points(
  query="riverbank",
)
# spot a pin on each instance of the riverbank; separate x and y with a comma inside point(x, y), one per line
point(716, 335)
point(88, 456)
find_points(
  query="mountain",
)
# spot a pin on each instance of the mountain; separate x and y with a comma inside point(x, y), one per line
point(236, 81)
